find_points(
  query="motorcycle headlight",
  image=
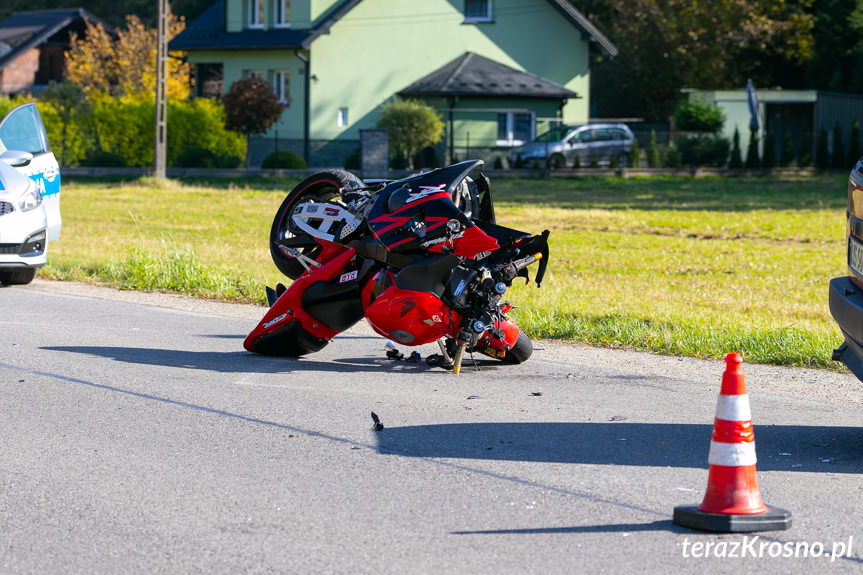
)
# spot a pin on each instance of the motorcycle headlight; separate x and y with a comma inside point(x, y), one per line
point(31, 198)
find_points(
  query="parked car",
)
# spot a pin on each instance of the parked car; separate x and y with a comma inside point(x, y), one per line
point(560, 146)
point(846, 292)
point(29, 195)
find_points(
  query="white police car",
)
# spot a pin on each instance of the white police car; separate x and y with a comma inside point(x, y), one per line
point(29, 195)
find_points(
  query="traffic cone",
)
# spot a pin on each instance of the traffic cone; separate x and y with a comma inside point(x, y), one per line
point(732, 502)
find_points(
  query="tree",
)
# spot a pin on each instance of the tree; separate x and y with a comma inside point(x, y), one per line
point(666, 45)
point(736, 161)
point(696, 115)
point(753, 162)
point(412, 125)
point(838, 157)
point(822, 154)
point(125, 65)
point(71, 103)
point(854, 142)
point(251, 108)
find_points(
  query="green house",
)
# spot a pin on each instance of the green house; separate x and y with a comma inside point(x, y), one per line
point(498, 71)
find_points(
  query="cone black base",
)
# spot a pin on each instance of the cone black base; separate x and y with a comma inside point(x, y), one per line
point(773, 519)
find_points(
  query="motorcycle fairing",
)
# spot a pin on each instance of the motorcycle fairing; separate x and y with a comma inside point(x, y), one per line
point(412, 214)
point(407, 316)
point(276, 333)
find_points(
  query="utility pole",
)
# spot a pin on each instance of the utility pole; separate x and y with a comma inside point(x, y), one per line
point(161, 93)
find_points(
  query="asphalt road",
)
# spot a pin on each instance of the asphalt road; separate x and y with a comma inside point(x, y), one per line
point(139, 437)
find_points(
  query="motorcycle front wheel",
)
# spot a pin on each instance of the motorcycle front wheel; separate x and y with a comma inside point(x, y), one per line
point(321, 187)
point(521, 351)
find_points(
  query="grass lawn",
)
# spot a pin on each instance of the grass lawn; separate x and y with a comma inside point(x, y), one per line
point(685, 266)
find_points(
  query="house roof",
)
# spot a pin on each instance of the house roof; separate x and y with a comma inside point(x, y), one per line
point(473, 75)
point(23, 31)
point(207, 32)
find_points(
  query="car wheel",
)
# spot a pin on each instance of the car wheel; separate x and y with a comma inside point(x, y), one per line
point(17, 277)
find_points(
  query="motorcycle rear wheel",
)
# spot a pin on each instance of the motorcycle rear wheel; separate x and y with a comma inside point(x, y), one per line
point(321, 187)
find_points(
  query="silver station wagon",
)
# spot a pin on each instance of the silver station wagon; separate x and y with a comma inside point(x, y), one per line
point(560, 146)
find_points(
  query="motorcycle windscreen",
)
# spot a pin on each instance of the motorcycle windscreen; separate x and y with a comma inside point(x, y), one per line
point(22, 130)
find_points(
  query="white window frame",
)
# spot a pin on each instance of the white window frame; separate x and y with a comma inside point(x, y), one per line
point(282, 85)
point(510, 128)
point(259, 74)
point(282, 19)
point(256, 13)
point(342, 118)
point(486, 18)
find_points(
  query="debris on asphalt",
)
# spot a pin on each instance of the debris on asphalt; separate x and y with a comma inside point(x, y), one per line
point(415, 357)
point(378, 425)
point(355, 447)
point(536, 393)
point(473, 397)
point(392, 352)
point(617, 418)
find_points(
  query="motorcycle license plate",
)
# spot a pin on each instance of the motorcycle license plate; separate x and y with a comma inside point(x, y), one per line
point(855, 255)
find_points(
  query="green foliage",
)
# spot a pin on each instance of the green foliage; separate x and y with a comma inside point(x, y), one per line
point(753, 162)
point(283, 160)
point(577, 163)
point(194, 157)
point(73, 110)
point(822, 154)
point(786, 156)
point(854, 143)
point(736, 160)
point(251, 106)
point(614, 163)
point(769, 159)
point(672, 157)
point(557, 162)
point(412, 125)
point(103, 159)
point(703, 150)
point(837, 160)
point(594, 161)
point(696, 115)
point(352, 162)
point(653, 160)
point(518, 163)
point(634, 158)
point(498, 163)
point(201, 122)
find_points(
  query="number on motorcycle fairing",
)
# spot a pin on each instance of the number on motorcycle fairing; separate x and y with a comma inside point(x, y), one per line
point(348, 276)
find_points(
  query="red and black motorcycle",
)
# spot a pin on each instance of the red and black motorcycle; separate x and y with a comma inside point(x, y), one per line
point(422, 259)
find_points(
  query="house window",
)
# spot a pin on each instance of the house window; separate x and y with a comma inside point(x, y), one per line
point(208, 80)
point(256, 13)
point(477, 10)
point(514, 128)
point(343, 117)
point(259, 74)
point(283, 13)
point(282, 86)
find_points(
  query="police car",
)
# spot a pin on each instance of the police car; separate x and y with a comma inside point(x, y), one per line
point(29, 195)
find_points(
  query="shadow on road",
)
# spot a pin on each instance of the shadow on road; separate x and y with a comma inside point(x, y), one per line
point(779, 447)
point(238, 361)
point(666, 525)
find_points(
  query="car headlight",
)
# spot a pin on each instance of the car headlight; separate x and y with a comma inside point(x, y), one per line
point(31, 198)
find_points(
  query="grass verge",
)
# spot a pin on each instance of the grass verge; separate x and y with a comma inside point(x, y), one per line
point(681, 266)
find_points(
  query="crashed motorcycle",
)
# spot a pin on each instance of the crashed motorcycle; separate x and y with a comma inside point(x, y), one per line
point(421, 258)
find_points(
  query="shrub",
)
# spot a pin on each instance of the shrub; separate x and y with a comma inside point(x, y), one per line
point(653, 160)
point(736, 160)
point(519, 163)
point(672, 157)
point(703, 150)
point(195, 157)
point(227, 161)
point(753, 161)
point(412, 125)
point(283, 160)
point(696, 115)
point(352, 162)
point(498, 163)
point(103, 159)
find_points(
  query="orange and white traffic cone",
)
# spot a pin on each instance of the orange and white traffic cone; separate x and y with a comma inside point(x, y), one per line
point(732, 502)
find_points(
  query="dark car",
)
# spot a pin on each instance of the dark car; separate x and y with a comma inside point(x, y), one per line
point(846, 293)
